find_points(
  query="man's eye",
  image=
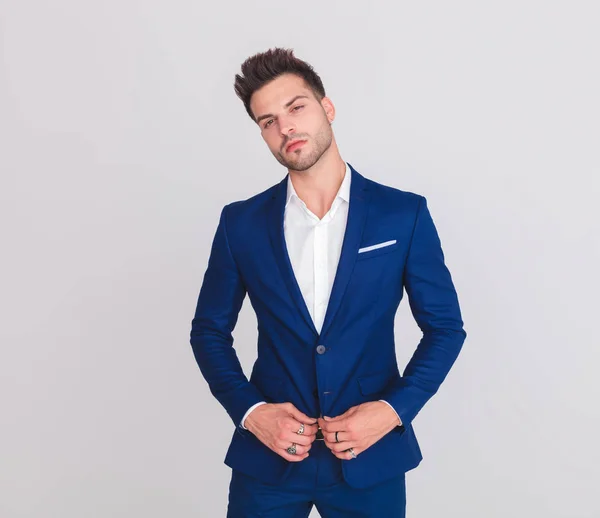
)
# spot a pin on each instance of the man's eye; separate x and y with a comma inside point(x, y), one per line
point(268, 123)
point(300, 106)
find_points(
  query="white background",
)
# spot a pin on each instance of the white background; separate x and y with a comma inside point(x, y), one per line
point(121, 139)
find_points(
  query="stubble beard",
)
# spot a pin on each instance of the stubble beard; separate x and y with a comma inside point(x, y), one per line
point(305, 160)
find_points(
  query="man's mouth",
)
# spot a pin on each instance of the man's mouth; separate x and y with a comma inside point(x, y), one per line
point(295, 145)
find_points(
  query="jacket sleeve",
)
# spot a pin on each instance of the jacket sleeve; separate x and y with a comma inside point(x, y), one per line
point(434, 305)
point(219, 302)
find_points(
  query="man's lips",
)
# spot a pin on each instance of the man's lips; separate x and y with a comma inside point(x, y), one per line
point(294, 145)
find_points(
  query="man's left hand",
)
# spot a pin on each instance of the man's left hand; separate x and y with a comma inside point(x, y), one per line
point(358, 428)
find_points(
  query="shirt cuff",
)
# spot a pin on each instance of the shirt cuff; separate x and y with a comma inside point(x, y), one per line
point(399, 420)
point(248, 412)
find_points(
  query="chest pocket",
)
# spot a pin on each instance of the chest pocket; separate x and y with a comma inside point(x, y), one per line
point(377, 249)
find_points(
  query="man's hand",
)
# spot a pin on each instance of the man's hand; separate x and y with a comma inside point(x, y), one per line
point(276, 424)
point(358, 428)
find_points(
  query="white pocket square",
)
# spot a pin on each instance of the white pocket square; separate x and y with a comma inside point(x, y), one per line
point(378, 245)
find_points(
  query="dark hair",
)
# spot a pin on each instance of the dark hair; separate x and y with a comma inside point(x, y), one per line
point(263, 67)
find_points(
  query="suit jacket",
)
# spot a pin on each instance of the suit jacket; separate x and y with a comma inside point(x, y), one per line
point(390, 245)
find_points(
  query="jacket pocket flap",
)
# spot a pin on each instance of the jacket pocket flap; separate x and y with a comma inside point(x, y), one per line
point(373, 383)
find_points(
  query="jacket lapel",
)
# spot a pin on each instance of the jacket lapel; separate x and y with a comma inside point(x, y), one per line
point(276, 233)
point(357, 216)
point(357, 211)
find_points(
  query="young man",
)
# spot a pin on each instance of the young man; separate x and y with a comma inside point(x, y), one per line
point(324, 256)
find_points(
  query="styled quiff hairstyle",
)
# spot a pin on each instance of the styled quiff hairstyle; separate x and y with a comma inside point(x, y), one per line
point(264, 67)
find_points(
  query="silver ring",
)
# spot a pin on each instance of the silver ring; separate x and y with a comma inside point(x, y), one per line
point(336, 437)
point(352, 453)
point(292, 449)
point(301, 431)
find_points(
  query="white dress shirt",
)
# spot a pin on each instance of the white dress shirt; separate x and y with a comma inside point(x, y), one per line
point(314, 246)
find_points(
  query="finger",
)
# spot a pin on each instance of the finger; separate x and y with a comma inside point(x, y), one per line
point(291, 428)
point(335, 426)
point(300, 416)
point(290, 457)
point(280, 448)
point(341, 436)
point(311, 429)
point(291, 437)
point(345, 455)
point(325, 420)
point(300, 449)
point(286, 443)
point(294, 426)
point(342, 446)
point(335, 417)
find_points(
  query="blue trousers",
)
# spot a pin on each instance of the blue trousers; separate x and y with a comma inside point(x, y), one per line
point(316, 480)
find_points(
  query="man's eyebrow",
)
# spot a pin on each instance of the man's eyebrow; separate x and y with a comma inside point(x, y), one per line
point(287, 105)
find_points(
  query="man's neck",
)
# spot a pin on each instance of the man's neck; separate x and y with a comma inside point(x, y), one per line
point(318, 186)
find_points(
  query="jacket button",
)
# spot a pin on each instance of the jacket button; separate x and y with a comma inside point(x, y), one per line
point(321, 349)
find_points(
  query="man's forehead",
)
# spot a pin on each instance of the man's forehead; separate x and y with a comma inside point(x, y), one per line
point(285, 81)
point(280, 91)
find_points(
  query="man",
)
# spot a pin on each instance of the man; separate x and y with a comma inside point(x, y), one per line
point(324, 256)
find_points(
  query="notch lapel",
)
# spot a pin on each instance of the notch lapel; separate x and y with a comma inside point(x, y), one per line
point(357, 211)
point(357, 216)
point(276, 233)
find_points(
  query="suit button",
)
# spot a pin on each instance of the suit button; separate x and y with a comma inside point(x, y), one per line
point(321, 349)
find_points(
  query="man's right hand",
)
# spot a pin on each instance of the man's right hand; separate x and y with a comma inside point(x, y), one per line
point(276, 424)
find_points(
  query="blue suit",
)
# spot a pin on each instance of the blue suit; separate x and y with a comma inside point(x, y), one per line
point(357, 360)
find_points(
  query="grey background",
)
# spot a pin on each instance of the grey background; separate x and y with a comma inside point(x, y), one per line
point(121, 139)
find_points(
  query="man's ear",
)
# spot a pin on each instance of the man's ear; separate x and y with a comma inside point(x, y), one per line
point(329, 108)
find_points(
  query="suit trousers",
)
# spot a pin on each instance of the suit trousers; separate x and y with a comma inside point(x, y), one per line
point(316, 480)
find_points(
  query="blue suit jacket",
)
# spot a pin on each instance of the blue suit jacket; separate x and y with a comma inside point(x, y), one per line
point(248, 255)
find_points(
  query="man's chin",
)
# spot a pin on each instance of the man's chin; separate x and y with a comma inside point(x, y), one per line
point(302, 164)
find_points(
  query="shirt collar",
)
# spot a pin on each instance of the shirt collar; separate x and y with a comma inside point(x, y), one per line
point(343, 191)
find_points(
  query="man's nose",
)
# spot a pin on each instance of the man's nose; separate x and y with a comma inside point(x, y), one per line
point(286, 126)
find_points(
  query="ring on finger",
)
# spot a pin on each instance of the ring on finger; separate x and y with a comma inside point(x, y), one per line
point(292, 449)
point(301, 430)
point(336, 437)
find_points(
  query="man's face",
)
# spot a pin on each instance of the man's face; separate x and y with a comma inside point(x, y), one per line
point(287, 111)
